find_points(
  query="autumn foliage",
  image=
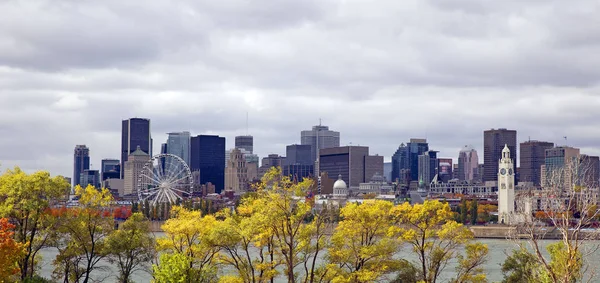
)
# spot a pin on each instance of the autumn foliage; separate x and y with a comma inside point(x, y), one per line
point(10, 251)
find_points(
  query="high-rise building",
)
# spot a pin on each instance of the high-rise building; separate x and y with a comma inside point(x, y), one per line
point(239, 173)
point(90, 177)
point(135, 132)
point(399, 162)
point(272, 160)
point(444, 169)
point(415, 148)
point(208, 158)
point(352, 162)
point(133, 168)
point(81, 163)
point(493, 144)
point(178, 143)
point(590, 170)
point(556, 159)
point(387, 171)
point(320, 137)
point(245, 142)
point(468, 164)
point(427, 163)
point(533, 156)
point(297, 154)
point(111, 169)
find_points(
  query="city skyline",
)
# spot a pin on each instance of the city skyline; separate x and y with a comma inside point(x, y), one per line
point(379, 74)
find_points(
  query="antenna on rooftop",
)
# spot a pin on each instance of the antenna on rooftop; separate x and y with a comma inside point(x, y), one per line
point(246, 122)
point(319, 121)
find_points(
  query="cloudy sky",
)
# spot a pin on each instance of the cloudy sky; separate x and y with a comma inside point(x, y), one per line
point(380, 72)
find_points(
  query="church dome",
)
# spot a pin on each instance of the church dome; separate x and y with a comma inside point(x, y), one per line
point(340, 184)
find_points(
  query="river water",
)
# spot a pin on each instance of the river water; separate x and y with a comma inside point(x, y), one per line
point(497, 254)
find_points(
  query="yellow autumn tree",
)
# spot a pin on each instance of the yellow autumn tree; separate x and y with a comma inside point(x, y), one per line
point(436, 239)
point(364, 243)
point(189, 237)
point(25, 199)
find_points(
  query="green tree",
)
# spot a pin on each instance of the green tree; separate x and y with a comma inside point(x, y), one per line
point(474, 212)
point(435, 238)
point(521, 267)
point(131, 246)
point(364, 243)
point(175, 268)
point(147, 208)
point(24, 199)
point(463, 211)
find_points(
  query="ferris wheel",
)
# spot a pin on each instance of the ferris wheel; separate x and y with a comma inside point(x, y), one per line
point(165, 178)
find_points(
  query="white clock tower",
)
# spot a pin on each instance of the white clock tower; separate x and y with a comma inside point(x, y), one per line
point(506, 188)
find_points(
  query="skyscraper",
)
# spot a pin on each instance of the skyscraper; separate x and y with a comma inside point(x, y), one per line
point(415, 148)
point(468, 164)
point(111, 169)
point(297, 154)
point(246, 142)
point(352, 162)
point(208, 157)
point(533, 156)
point(444, 172)
point(427, 163)
point(178, 143)
point(81, 163)
point(320, 137)
point(399, 162)
point(493, 144)
point(135, 132)
point(90, 177)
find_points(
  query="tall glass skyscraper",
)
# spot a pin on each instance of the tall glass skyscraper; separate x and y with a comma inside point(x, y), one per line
point(208, 157)
point(245, 142)
point(179, 144)
point(81, 163)
point(493, 144)
point(135, 132)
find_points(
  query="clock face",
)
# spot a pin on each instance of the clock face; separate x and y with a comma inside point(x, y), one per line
point(503, 171)
point(510, 171)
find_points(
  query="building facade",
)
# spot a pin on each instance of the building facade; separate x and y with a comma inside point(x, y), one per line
point(298, 154)
point(353, 163)
point(399, 162)
point(468, 164)
point(427, 166)
point(90, 177)
point(533, 156)
point(111, 169)
point(81, 163)
point(133, 169)
point(239, 173)
point(208, 158)
point(246, 142)
point(178, 144)
point(494, 141)
point(319, 137)
point(135, 132)
point(444, 169)
point(506, 188)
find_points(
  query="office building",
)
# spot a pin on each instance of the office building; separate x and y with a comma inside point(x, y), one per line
point(249, 157)
point(444, 169)
point(320, 137)
point(494, 141)
point(590, 170)
point(387, 171)
point(399, 162)
point(468, 164)
point(245, 142)
point(415, 148)
point(297, 154)
point(135, 132)
point(178, 144)
point(239, 173)
point(133, 169)
point(81, 163)
point(533, 156)
point(111, 169)
point(272, 160)
point(208, 158)
point(353, 163)
point(298, 171)
point(427, 163)
point(90, 177)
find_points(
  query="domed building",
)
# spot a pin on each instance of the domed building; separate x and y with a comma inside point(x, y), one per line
point(340, 189)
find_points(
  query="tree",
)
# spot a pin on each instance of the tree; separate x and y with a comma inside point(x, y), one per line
point(463, 211)
point(130, 246)
point(190, 234)
point(474, 212)
point(10, 252)
point(25, 199)
point(364, 243)
point(469, 268)
point(568, 201)
point(175, 268)
point(434, 237)
point(81, 234)
point(521, 267)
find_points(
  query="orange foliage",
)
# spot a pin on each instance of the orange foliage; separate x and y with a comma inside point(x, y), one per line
point(121, 212)
point(10, 251)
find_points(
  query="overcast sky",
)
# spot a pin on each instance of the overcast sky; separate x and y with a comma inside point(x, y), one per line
point(380, 72)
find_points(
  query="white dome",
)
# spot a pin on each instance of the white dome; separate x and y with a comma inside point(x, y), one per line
point(340, 184)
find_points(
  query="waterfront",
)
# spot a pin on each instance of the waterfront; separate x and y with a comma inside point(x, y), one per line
point(498, 250)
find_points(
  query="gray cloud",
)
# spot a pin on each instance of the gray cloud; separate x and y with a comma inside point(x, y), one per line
point(380, 73)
